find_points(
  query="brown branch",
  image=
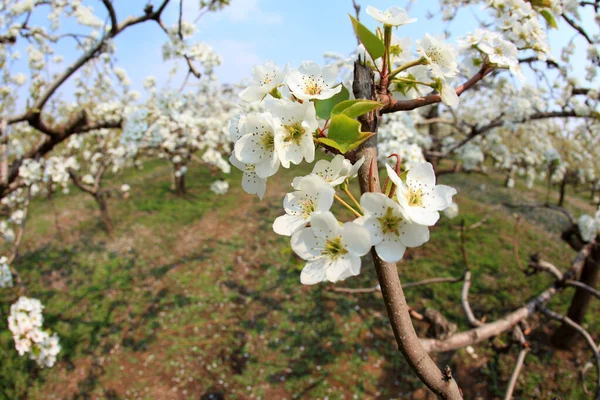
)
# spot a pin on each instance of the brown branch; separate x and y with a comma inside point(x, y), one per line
point(464, 297)
point(516, 372)
point(77, 182)
point(442, 384)
point(488, 330)
point(534, 59)
point(48, 144)
point(588, 338)
point(479, 131)
point(430, 281)
point(192, 69)
point(33, 115)
point(373, 289)
point(581, 285)
point(395, 106)
point(376, 289)
point(578, 28)
point(113, 16)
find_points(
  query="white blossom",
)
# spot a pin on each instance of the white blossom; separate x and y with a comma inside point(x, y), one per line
point(310, 81)
point(393, 16)
point(313, 194)
point(332, 251)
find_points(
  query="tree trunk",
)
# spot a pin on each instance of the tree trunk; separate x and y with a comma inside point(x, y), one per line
point(179, 185)
point(103, 205)
point(510, 175)
point(564, 335)
point(563, 188)
point(442, 384)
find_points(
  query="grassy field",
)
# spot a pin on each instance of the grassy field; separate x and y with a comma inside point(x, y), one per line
point(197, 298)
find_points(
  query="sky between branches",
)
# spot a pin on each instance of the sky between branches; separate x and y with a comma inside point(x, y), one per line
point(285, 31)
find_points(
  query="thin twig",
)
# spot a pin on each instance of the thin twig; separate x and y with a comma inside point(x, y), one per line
point(588, 338)
point(516, 372)
point(464, 297)
point(374, 289)
point(516, 243)
point(571, 282)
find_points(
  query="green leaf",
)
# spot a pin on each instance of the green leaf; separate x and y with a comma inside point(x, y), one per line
point(355, 108)
point(344, 134)
point(549, 19)
point(372, 43)
point(324, 107)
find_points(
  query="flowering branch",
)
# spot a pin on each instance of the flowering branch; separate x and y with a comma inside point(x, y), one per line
point(407, 105)
point(387, 274)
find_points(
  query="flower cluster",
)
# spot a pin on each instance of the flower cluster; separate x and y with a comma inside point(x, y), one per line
point(284, 133)
point(6, 279)
point(589, 227)
point(390, 222)
point(25, 322)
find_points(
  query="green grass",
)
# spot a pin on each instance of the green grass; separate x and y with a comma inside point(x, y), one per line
point(196, 296)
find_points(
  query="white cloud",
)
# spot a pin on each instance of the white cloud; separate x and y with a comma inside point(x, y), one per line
point(250, 10)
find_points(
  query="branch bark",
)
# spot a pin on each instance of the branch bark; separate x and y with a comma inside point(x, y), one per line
point(442, 384)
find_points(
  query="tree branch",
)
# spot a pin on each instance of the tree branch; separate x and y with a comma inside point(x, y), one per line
point(113, 16)
point(408, 342)
point(582, 332)
point(395, 106)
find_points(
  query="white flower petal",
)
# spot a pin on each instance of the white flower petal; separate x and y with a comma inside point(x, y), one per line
point(324, 225)
point(390, 251)
point(356, 239)
point(342, 268)
point(306, 244)
point(287, 225)
point(413, 235)
point(421, 174)
point(313, 272)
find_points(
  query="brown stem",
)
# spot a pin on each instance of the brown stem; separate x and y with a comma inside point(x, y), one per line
point(442, 384)
point(104, 214)
point(516, 372)
point(565, 334)
point(17, 244)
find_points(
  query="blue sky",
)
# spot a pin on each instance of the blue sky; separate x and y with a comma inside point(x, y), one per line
point(251, 31)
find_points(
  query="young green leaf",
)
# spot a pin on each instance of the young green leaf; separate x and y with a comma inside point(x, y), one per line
point(324, 107)
point(372, 43)
point(355, 108)
point(549, 19)
point(344, 134)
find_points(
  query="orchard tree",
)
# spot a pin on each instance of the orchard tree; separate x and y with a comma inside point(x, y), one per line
point(185, 127)
point(35, 122)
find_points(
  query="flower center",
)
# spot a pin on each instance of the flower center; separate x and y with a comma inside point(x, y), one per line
point(250, 167)
point(389, 222)
point(295, 132)
point(395, 50)
point(308, 207)
point(268, 141)
point(498, 51)
point(268, 78)
point(415, 197)
point(334, 248)
point(312, 88)
point(434, 54)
